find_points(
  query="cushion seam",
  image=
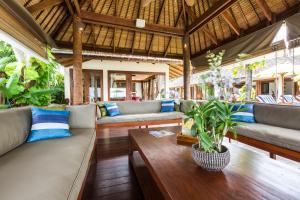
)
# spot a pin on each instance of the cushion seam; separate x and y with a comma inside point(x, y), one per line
point(81, 165)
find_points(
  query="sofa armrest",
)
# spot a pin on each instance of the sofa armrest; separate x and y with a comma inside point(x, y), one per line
point(82, 116)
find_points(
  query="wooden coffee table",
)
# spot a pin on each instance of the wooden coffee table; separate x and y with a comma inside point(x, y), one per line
point(248, 176)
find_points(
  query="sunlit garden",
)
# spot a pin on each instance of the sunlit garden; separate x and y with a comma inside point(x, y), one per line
point(27, 80)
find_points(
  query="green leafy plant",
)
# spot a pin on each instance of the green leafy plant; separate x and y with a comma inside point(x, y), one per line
point(211, 123)
point(248, 68)
point(33, 83)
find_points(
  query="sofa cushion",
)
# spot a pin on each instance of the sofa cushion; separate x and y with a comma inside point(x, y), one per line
point(141, 117)
point(167, 106)
point(186, 105)
point(82, 116)
point(112, 109)
point(15, 126)
point(48, 170)
point(243, 113)
point(286, 116)
point(49, 124)
point(139, 107)
point(283, 137)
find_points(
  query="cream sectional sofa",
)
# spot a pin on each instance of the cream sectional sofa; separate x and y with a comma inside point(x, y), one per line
point(143, 113)
point(278, 125)
point(45, 170)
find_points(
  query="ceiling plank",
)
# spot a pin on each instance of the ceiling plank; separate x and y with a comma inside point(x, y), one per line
point(231, 22)
point(170, 39)
point(128, 24)
point(77, 7)
point(205, 28)
point(265, 9)
point(210, 35)
point(211, 13)
point(43, 5)
point(146, 2)
point(157, 21)
point(176, 70)
point(70, 7)
point(138, 16)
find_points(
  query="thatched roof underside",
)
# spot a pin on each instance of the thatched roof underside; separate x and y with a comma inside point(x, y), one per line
point(240, 18)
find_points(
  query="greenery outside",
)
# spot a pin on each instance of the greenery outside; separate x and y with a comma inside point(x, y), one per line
point(34, 82)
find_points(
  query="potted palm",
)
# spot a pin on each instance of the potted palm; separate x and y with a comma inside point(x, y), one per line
point(211, 123)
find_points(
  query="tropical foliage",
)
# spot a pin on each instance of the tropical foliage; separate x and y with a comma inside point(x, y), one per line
point(247, 93)
point(28, 83)
point(211, 123)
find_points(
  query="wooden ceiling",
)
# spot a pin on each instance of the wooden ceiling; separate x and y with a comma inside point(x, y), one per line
point(109, 25)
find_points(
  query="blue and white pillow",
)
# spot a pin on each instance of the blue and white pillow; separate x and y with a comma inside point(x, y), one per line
point(167, 106)
point(244, 113)
point(112, 109)
point(49, 124)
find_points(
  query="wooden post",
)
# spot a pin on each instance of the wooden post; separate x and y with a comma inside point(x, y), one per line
point(77, 61)
point(87, 82)
point(128, 86)
point(186, 67)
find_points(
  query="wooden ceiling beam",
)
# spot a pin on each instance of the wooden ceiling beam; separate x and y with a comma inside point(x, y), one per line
point(157, 21)
point(204, 29)
point(231, 22)
point(44, 5)
point(138, 16)
point(170, 39)
point(77, 7)
point(211, 13)
point(109, 49)
point(128, 24)
point(265, 9)
point(69, 6)
point(281, 16)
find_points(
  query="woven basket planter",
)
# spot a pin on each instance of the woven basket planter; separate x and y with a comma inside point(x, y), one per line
point(211, 161)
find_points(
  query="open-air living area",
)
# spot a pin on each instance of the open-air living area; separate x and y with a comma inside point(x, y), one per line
point(149, 99)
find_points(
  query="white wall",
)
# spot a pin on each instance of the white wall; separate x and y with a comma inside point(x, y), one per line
point(107, 65)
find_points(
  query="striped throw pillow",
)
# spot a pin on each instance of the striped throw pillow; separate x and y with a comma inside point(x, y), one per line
point(49, 124)
point(244, 113)
point(112, 109)
point(167, 106)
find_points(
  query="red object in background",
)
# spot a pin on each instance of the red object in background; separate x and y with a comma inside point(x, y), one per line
point(135, 98)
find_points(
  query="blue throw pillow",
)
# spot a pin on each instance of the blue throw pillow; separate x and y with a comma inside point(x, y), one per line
point(244, 113)
point(112, 109)
point(167, 106)
point(49, 124)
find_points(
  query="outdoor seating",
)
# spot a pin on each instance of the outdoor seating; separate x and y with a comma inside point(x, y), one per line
point(289, 99)
point(266, 99)
point(143, 114)
point(276, 130)
point(50, 169)
point(149, 99)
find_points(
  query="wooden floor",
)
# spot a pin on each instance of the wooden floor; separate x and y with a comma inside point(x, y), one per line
point(114, 177)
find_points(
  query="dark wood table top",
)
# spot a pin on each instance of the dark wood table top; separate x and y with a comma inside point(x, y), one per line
point(249, 175)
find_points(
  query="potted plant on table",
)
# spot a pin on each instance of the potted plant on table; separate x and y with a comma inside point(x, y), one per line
point(211, 123)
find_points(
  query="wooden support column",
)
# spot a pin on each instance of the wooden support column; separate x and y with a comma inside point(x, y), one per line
point(77, 61)
point(87, 82)
point(128, 86)
point(186, 67)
